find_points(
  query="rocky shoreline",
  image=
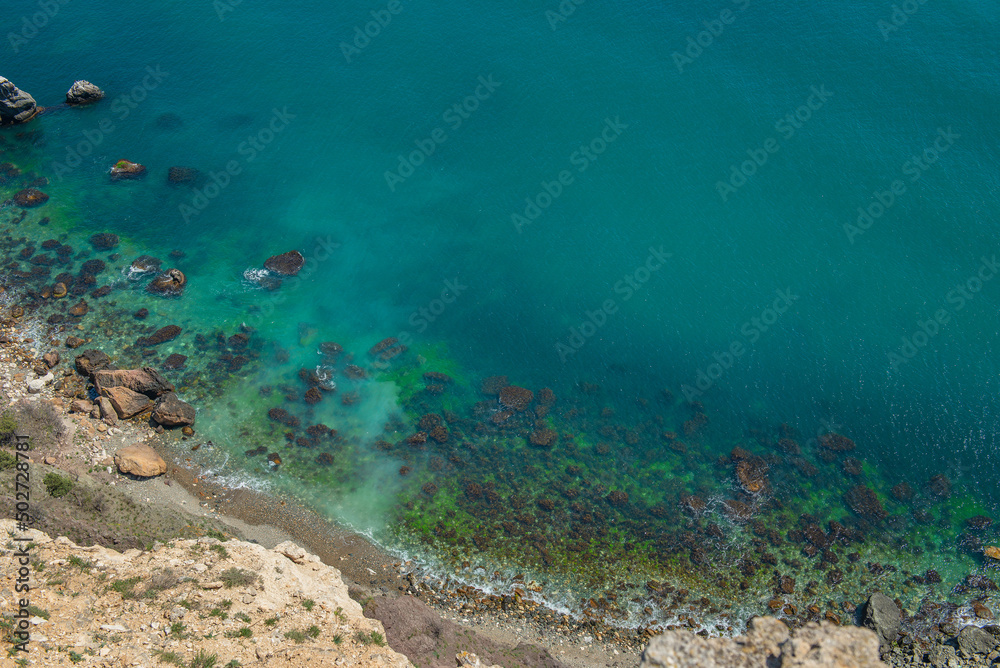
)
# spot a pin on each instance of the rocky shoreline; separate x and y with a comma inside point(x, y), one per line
point(112, 445)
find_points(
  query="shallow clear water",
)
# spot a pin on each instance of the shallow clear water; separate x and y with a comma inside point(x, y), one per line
point(641, 274)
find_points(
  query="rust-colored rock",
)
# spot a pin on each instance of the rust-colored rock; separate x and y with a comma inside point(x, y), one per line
point(516, 398)
point(836, 442)
point(169, 284)
point(29, 198)
point(751, 473)
point(126, 402)
point(863, 501)
point(146, 381)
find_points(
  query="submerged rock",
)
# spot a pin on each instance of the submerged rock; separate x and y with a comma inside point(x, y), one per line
point(145, 264)
point(16, 106)
point(179, 175)
point(286, 264)
point(162, 335)
point(104, 241)
point(30, 197)
point(83, 92)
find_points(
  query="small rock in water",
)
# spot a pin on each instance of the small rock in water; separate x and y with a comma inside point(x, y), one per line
point(126, 169)
point(83, 92)
point(286, 264)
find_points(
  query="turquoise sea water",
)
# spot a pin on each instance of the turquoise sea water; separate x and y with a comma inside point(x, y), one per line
point(763, 299)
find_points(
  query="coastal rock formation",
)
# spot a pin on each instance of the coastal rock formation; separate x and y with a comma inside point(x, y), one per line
point(883, 617)
point(211, 578)
point(92, 360)
point(29, 198)
point(170, 283)
point(170, 411)
point(126, 169)
point(179, 175)
point(140, 460)
point(83, 92)
point(16, 106)
point(286, 264)
point(126, 402)
point(767, 643)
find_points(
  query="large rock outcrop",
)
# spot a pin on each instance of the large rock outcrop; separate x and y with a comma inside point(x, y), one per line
point(16, 106)
point(768, 643)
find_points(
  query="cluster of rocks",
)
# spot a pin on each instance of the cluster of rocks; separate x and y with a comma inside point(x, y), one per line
point(126, 393)
point(952, 647)
point(17, 106)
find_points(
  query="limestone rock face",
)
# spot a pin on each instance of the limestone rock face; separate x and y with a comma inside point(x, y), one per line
point(140, 460)
point(883, 617)
point(170, 411)
point(16, 106)
point(767, 643)
point(83, 92)
point(88, 609)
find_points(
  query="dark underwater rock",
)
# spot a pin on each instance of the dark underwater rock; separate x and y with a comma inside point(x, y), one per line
point(286, 264)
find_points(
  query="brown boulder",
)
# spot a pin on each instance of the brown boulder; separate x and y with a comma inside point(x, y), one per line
point(147, 381)
point(81, 406)
point(140, 460)
point(30, 197)
point(79, 309)
point(170, 411)
point(286, 264)
point(126, 402)
point(107, 410)
point(91, 361)
point(169, 283)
